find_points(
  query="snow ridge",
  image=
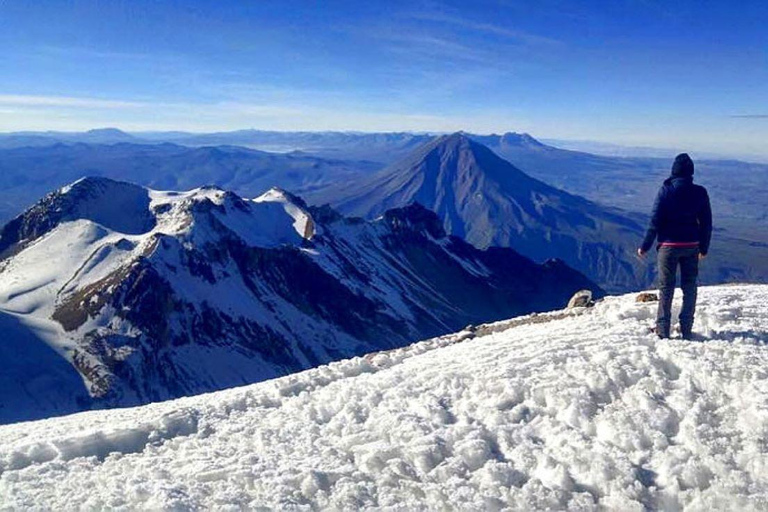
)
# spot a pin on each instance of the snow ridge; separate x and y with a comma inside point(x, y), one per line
point(587, 411)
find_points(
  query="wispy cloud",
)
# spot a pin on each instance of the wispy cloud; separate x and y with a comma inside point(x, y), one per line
point(66, 101)
point(22, 103)
point(487, 28)
point(434, 38)
point(432, 46)
point(257, 110)
point(82, 51)
point(750, 116)
point(77, 113)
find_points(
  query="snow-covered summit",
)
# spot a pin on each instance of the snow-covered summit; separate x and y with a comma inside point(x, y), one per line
point(128, 209)
point(579, 410)
point(118, 206)
point(89, 229)
point(293, 206)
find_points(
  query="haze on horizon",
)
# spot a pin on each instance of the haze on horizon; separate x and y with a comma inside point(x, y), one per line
point(634, 72)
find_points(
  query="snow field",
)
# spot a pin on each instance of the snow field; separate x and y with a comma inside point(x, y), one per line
point(585, 412)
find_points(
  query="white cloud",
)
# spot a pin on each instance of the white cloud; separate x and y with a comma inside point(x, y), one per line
point(288, 111)
point(65, 101)
point(22, 112)
point(750, 116)
point(488, 28)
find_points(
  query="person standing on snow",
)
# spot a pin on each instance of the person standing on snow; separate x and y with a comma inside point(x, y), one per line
point(682, 222)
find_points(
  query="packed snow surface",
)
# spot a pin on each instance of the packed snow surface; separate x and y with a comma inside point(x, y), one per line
point(582, 410)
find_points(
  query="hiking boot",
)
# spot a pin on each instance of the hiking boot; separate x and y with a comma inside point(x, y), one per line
point(660, 332)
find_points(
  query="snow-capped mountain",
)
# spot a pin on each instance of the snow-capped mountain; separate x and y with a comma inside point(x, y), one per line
point(576, 410)
point(114, 294)
point(489, 202)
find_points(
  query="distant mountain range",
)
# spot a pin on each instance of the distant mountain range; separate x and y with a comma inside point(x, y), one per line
point(27, 173)
point(739, 190)
point(630, 151)
point(613, 176)
point(375, 147)
point(97, 136)
point(114, 294)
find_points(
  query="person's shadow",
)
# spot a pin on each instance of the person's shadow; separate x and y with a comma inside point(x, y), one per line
point(760, 337)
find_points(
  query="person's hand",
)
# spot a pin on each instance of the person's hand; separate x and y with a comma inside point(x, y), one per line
point(641, 254)
point(702, 256)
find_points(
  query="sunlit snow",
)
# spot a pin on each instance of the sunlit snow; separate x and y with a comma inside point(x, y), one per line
point(586, 411)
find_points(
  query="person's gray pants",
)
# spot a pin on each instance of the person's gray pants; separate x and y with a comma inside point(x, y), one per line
point(669, 259)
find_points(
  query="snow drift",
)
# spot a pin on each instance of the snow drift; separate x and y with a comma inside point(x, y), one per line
point(582, 409)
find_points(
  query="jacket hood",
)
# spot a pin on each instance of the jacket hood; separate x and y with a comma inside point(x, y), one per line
point(678, 180)
point(682, 166)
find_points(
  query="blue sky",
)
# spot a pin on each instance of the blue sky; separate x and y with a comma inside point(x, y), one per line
point(642, 72)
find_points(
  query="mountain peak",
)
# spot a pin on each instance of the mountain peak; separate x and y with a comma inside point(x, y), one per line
point(447, 146)
point(116, 205)
point(458, 136)
point(520, 139)
point(92, 183)
point(107, 131)
point(280, 195)
point(466, 161)
point(106, 136)
point(457, 139)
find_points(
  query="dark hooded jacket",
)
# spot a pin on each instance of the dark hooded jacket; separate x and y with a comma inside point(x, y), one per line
point(681, 212)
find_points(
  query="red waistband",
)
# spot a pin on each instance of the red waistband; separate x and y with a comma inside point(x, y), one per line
point(679, 244)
